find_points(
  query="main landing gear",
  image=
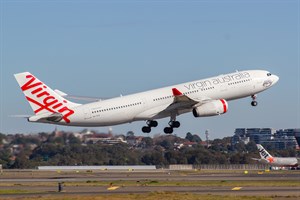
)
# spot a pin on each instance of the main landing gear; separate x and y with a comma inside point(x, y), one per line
point(168, 130)
point(254, 102)
point(172, 125)
point(150, 123)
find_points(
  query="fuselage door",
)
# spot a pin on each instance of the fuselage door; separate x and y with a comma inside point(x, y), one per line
point(87, 113)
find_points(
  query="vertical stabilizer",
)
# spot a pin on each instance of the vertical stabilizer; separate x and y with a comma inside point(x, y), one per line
point(42, 99)
point(264, 154)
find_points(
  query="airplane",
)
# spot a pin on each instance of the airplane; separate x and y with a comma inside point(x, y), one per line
point(266, 158)
point(206, 97)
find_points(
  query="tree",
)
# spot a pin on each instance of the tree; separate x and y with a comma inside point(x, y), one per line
point(2, 137)
point(240, 147)
point(5, 158)
point(73, 140)
point(251, 146)
point(193, 138)
point(154, 158)
point(189, 136)
point(22, 162)
point(196, 138)
point(167, 144)
point(175, 157)
point(130, 134)
point(147, 142)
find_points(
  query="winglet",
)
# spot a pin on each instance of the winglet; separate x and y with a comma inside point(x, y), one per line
point(176, 92)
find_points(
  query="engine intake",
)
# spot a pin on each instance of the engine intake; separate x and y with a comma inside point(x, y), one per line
point(212, 108)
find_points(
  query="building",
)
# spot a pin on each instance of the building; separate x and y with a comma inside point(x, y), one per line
point(297, 135)
point(240, 136)
point(287, 138)
point(277, 139)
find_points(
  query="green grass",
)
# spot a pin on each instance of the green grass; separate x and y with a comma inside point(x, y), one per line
point(153, 196)
point(12, 191)
point(204, 183)
point(221, 183)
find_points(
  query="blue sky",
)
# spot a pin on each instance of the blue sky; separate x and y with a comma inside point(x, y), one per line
point(108, 48)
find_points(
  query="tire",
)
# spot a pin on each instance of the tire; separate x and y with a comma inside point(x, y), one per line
point(254, 103)
point(152, 123)
point(174, 124)
point(146, 129)
point(168, 130)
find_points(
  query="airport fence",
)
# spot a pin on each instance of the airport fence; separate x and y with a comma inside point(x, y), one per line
point(220, 167)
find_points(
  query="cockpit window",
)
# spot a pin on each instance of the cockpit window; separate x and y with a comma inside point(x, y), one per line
point(269, 74)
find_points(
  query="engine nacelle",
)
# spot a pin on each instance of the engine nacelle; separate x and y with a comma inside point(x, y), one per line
point(212, 108)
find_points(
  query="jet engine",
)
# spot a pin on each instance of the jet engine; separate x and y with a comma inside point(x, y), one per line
point(212, 108)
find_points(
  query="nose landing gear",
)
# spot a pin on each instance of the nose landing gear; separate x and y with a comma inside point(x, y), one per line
point(254, 102)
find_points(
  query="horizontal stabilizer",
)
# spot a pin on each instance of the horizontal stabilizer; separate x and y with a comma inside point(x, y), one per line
point(82, 98)
point(60, 93)
point(21, 116)
point(54, 117)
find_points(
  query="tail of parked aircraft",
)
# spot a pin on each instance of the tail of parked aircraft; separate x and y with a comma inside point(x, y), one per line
point(264, 154)
point(43, 100)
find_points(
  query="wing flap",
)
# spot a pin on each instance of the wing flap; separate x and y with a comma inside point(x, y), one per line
point(181, 104)
point(182, 101)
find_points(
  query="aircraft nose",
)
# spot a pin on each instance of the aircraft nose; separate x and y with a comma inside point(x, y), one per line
point(275, 79)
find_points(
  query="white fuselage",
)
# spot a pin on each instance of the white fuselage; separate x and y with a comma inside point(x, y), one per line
point(266, 158)
point(151, 104)
point(282, 161)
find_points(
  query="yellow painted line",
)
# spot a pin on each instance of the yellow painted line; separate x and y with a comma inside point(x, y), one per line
point(113, 188)
point(236, 188)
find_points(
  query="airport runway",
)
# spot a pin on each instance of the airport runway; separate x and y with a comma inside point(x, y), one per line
point(249, 191)
point(161, 175)
point(45, 183)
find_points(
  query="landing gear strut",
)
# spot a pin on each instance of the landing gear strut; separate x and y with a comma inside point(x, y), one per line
point(150, 123)
point(172, 124)
point(254, 102)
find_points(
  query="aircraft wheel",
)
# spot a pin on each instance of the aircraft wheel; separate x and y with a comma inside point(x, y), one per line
point(176, 124)
point(146, 129)
point(152, 123)
point(168, 130)
point(254, 103)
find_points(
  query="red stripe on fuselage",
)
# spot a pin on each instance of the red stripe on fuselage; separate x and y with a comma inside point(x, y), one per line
point(224, 105)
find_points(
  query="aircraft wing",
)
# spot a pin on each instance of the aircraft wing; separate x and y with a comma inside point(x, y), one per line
point(182, 103)
point(21, 116)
